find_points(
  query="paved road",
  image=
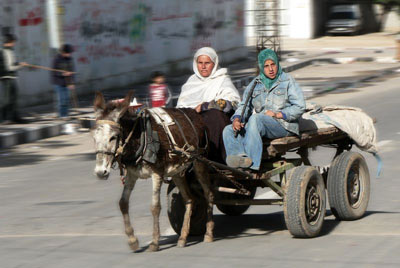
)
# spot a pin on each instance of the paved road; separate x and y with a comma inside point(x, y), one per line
point(55, 213)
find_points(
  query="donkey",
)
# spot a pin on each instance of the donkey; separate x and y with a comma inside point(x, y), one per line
point(121, 134)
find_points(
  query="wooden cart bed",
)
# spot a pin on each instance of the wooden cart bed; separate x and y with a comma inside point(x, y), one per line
point(306, 139)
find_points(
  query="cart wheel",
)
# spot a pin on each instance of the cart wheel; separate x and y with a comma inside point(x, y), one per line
point(348, 186)
point(304, 204)
point(234, 210)
point(176, 212)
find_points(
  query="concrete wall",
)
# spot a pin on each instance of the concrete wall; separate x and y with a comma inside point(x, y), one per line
point(392, 21)
point(120, 42)
point(27, 20)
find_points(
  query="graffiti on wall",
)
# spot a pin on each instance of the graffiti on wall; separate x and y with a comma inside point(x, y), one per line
point(31, 31)
point(90, 29)
point(149, 32)
point(113, 30)
point(139, 23)
point(115, 37)
point(32, 17)
point(171, 26)
point(112, 49)
point(208, 26)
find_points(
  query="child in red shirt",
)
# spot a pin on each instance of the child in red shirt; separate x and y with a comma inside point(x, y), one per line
point(160, 94)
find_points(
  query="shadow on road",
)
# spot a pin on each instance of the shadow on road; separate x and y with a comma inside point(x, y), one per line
point(86, 156)
point(11, 159)
point(229, 227)
point(54, 144)
point(249, 225)
point(369, 213)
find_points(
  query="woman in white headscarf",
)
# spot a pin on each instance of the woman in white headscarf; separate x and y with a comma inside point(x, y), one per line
point(208, 83)
point(211, 93)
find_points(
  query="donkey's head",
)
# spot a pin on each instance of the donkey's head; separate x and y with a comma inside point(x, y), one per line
point(107, 132)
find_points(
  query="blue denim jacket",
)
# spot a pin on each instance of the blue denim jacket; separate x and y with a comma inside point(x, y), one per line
point(284, 96)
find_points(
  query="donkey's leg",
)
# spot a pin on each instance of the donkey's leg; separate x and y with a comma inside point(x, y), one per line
point(124, 206)
point(180, 182)
point(155, 210)
point(203, 177)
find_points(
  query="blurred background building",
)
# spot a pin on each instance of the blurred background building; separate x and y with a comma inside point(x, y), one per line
point(307, 18)
point(120, 42)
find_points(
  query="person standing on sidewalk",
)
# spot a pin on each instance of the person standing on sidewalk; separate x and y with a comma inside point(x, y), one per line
point(159, 92)
point(63, 81)
point(8, 77)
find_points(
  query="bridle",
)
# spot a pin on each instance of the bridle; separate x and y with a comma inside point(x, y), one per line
point(120, 145)
point(112, 124)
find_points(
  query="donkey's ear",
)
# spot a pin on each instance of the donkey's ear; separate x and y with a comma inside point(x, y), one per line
point(126, 102)
point(128, 99)
point(99, 103)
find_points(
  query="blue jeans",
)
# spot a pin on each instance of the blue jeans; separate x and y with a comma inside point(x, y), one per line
point(259, 125)
point(62, 100)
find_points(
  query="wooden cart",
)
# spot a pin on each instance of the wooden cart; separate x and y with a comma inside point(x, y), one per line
point(300, 186)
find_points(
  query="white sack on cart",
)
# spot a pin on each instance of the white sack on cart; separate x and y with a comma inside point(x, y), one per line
point(353, 121)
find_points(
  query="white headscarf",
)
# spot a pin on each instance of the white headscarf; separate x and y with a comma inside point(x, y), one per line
point(199, 89)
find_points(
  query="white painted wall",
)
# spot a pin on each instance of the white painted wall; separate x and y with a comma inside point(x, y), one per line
point(301, 21)
point(296, 19)
point(392, 23)
point(120, 42)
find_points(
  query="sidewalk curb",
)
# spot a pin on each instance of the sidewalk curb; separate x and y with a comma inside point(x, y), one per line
point(31, 134)
point(242, 82)
point(354, 84)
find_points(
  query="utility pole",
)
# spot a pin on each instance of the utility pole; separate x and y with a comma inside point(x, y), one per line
point(53, 24)
point(267, 16)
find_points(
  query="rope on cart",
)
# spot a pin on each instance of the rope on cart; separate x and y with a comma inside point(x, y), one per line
point(239, 186)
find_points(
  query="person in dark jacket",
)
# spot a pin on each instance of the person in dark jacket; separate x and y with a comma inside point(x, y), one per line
point(8, 77)
point(63, 81)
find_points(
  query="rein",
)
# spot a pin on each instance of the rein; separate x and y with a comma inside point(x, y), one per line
point(120, 149)
point(111, 123)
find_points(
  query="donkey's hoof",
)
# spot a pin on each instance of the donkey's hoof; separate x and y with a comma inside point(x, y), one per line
point(133, 244)
point(181, 243)
point(153, 247)
point(208, 239)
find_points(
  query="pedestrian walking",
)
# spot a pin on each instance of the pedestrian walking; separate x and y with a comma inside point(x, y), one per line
point(63, 82)
point(8, 77)
point(159, 92)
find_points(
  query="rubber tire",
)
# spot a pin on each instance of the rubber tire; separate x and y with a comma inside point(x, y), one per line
point(337, 186)
point(176, 212)
point(294, 202)
point(234, 210)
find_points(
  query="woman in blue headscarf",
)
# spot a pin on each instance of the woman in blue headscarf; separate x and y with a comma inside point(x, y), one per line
point(277, 102)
